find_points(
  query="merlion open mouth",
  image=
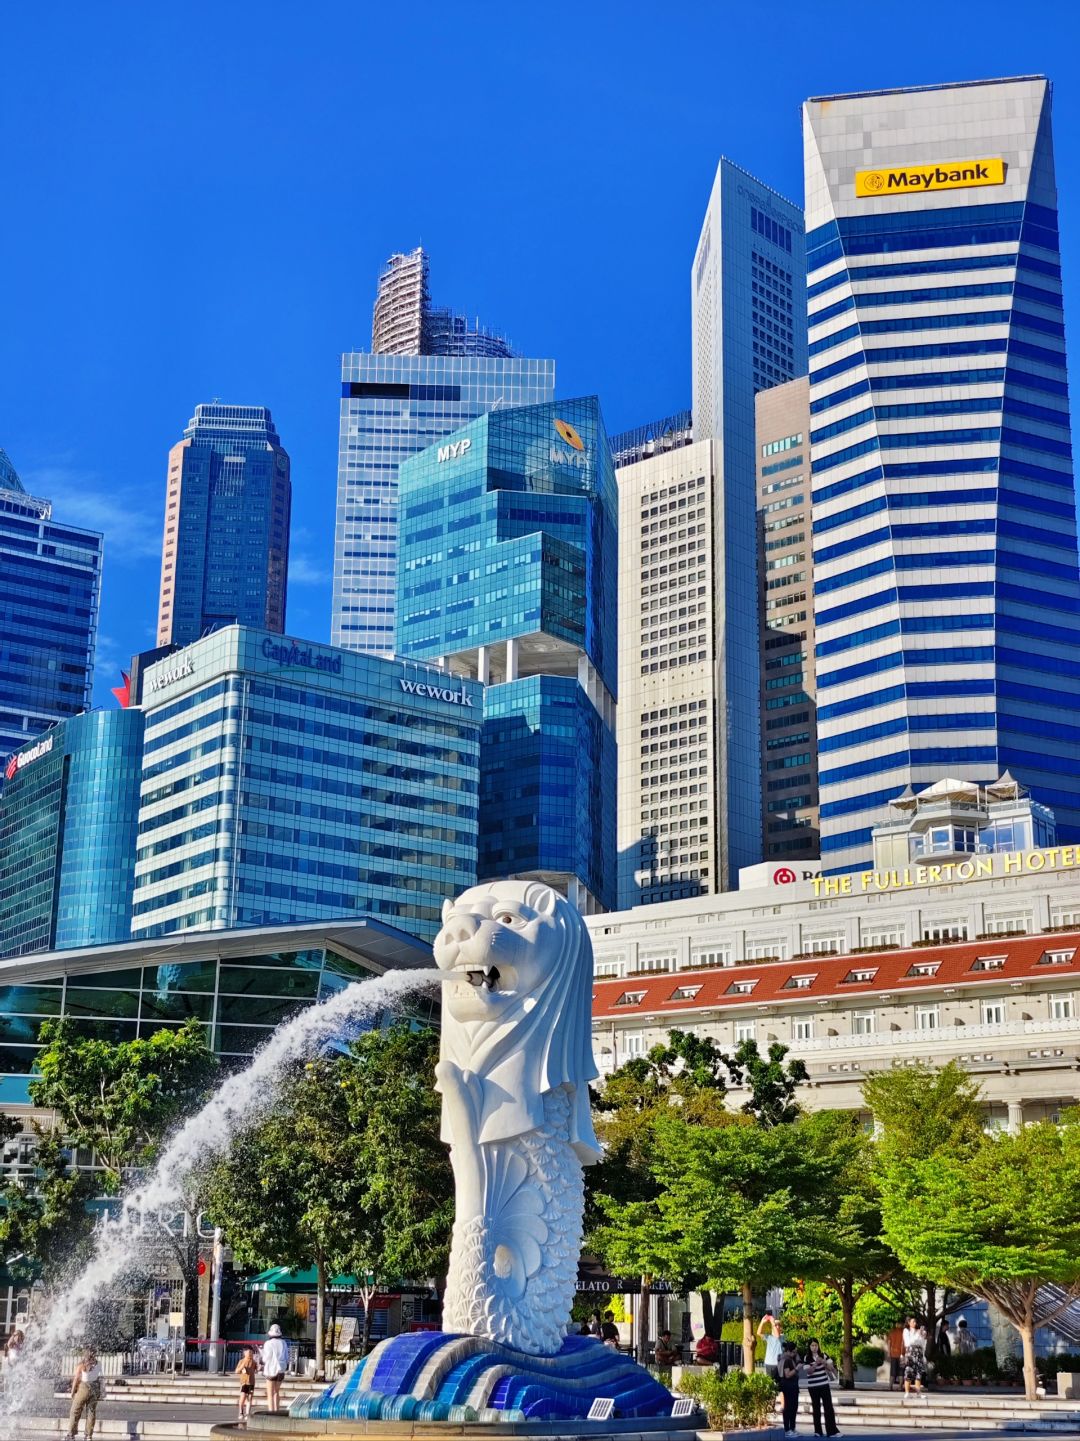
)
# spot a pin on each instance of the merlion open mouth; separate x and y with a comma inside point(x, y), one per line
point(487, 978)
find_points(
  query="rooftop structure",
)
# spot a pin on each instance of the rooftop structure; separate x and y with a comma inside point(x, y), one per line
point(405, 323)
point(653, 438)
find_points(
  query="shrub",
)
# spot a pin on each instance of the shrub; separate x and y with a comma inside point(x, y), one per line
point(869, 1356)
point(734, 1402)
point(732, 1331)
point(1051, 1365)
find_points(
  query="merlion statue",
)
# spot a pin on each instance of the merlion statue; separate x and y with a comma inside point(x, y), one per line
point(514, 1071)
point(514, 1075)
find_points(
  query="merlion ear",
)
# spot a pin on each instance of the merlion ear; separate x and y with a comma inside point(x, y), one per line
point(544, 900)
point(447, 908)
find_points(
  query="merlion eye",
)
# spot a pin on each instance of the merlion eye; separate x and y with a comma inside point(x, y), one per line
point(505, 918)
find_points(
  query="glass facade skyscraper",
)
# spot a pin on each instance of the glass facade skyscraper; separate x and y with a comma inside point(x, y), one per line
point(68, 820)
point(50, 591)
point(225, 553)
point(945, 562)
point(508, 573)
point(428, 373)
point(286, 781)
point(748, 334)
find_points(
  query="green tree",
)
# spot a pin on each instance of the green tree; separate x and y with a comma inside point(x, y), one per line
point(771, 1080)
point(44, 1219)
point(738, 1205)
point(922, 1111)
point(120, 1099)
point(853, 1259)
point(1000, 1219)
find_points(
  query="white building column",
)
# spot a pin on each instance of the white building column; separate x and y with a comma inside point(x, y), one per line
point(512, 658)
point(483, 665)
point(1016, 1117)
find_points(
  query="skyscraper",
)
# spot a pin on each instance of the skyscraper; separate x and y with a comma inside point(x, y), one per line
point(789, 789)
point(428, 373)
point(945, 565)
point(507, 572)
point(69, 817)
point(286, 781)
point(225, 553)
point(50, 589)
point(749, 333)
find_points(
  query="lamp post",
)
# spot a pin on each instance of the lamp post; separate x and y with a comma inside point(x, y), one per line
point(213, 1355)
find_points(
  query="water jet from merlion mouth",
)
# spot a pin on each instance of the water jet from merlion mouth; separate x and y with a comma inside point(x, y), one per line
point(239, 1100)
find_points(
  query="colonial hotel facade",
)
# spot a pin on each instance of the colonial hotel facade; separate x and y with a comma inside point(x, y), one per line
point(958, 954)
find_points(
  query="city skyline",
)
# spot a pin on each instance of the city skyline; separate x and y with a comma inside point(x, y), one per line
point(613, 316)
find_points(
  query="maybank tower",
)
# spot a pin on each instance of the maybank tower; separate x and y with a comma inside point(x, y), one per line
point(944, 525)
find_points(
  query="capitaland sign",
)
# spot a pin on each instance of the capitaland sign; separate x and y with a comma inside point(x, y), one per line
point(159, 679)
point(290, 654)
point(25, 758)
point(455, 450)
point(436, 692)
point(915, 179)
point(979, 868)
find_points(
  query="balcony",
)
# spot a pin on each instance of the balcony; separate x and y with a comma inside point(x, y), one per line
point(953, 1037)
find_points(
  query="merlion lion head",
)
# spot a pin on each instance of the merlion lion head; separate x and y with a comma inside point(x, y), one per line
point(517, 1005)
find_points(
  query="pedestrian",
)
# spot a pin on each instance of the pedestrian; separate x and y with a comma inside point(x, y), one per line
point(667, 1354)
point(772, 1341)
point(914, 1357)
point(594, 1324)
point(609, 1332)
point(706, 1351)
point(944, 1340)
point(275, 1362)
point(965, 1341)
point(787, 1378)
point(15, 1343)
point(86, 1389)
point(896, 1355)
point(819, 1371)
point(247, 1369)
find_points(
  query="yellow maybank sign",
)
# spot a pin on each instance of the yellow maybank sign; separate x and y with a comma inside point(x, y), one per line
point(912, 179)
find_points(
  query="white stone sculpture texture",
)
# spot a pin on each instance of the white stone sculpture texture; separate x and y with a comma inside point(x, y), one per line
point(515, 1065)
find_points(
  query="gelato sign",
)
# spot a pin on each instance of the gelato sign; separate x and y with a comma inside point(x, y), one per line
point(1004, 863)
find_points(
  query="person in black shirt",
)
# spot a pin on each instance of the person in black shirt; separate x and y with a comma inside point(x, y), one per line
point(818, 1372)
point(609, 1332)
point(787, 1378)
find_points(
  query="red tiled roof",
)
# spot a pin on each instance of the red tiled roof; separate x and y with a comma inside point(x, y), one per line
point(775, 979)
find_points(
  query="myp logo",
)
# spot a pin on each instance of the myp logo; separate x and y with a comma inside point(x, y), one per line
point(455, 450)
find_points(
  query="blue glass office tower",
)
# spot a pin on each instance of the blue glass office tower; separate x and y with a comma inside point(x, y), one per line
point(68, 822)
point(748, 334)
point(945, 564)
point(287, 781)
point(429, 372)
point(50, 590)
point(508, 573)
point(225, 552)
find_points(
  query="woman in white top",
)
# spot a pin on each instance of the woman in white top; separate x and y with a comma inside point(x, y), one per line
point(772, 1341)
point(275, 1362)
point(85, 1395)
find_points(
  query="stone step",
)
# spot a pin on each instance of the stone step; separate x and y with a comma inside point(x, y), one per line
point(120, 1427)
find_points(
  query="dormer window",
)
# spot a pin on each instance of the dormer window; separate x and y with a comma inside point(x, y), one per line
point(631, 998)
point(860, 977)
point(1057, 958)
point(741, 988)
point(684, 993)
point(989, 963)
point(799, 983)
point(924, 968)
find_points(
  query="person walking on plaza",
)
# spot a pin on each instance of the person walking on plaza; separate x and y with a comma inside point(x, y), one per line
point(787, 1378)
point(944, 1340)
point(819, 1372)
point(85, 1395)
point(275, 1362)
point(914, 1357)
point(247, 1369)
point(15, 1343)
point(772, 1342)
point(896, 1355)
point(965, 1341)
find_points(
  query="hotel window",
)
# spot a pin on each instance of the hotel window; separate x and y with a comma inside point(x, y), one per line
point(744, 1031)
point(857, 978)
point(1019, 923)
point(634, 1043)
point(1056, 958)
point(717, 956)
point(741, 988)
point(893, 936)
point(993, 1013)
point(923, 968)
point(945, 931)
point(862, 1023)
point(766, 951)
point(631, 998)
point(927, 1018)
point(802, 1029)
point(826, 946)
point(1065, 918)
point(989, 963)
point(799, 983)
point(1061, 1008)
point(606, 968)
point(684, 993)
point(657, 961)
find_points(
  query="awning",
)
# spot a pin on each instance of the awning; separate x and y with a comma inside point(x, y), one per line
point(289, 1280)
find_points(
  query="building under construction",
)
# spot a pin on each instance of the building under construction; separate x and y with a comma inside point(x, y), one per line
point(406, 323)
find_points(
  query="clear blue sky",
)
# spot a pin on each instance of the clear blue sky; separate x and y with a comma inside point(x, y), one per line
point(197, 199)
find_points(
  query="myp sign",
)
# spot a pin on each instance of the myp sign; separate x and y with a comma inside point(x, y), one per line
point(454, 451)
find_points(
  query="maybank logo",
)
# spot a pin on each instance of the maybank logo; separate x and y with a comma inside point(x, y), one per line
point(910, 179)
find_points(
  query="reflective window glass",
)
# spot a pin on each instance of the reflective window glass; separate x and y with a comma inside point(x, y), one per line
point(253, 981)
point(32, 1000)
point(82, 1002)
